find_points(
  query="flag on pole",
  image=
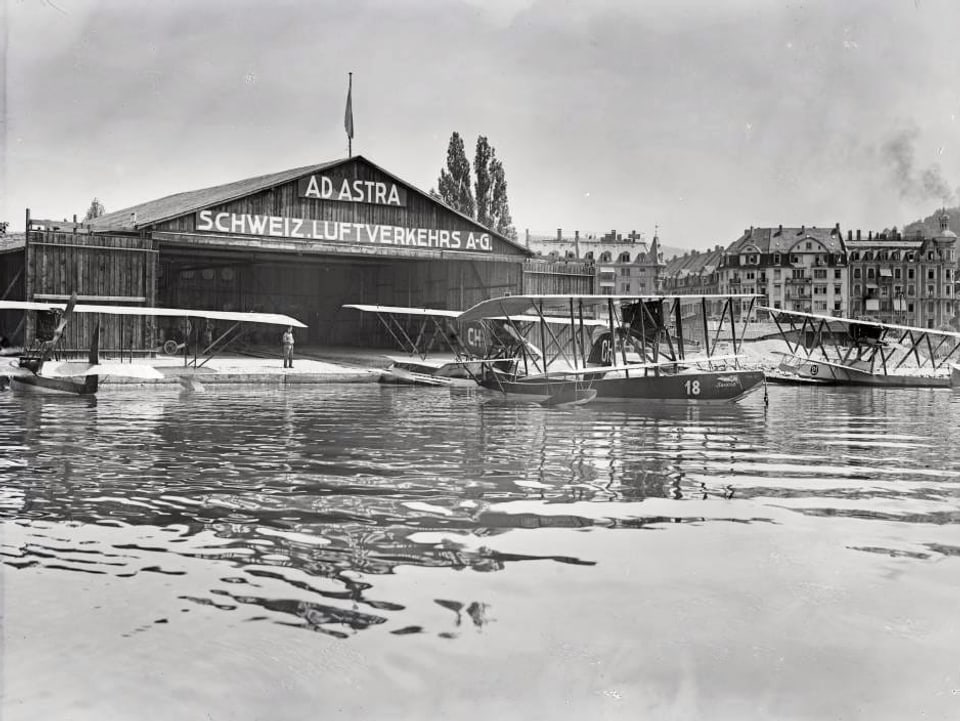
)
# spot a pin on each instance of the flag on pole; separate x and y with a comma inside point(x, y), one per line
point(348, 113)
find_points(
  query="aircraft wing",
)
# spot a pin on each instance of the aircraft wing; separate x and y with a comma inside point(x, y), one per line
point(780, 312)
point(237, 316)
point(511, 305)
point(400, 310)
point(68, 369)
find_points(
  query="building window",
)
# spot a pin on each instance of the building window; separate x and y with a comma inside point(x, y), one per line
point(751, 275)
point(625, 271)
point(911, 290)
point(798, 273)
point(929, 290)
point(837, 290)
point(626, 287)
point(909, 307)
point(820, 273)
point(910, 273)
point(856, 289)
point(897, 273)
point(794, 258)
point(837, 274)
point(776, 259)
point(855, 255)
point(856, 272)
point(931, 274)
point(871, 273)
point(809, 245)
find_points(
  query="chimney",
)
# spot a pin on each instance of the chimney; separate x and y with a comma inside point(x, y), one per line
point(870, 235)
point(849, 235)
point(576, 242)
point(780, 228)
point(559, 233)
point(858, 233)
point(803, 229)
point(526, 233)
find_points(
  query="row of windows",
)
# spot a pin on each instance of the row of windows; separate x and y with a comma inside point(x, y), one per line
point(909, 307)
point(897, 290)
point(796, 258)
point(818, 274)
point(896, 273)
point(908, 255)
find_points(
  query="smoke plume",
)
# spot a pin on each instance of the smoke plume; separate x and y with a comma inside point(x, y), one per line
point(916, 184)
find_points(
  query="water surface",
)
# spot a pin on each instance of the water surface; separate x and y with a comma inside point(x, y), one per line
point(364, 551)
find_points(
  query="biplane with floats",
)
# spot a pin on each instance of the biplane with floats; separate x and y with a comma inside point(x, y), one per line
point(442, 349)
point(44, 366)
point(570, 349)
point(829, 350)
point(655, 348)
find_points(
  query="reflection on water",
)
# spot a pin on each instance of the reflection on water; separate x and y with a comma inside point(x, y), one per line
point(290, 507)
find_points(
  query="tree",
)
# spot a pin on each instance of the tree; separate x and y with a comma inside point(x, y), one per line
point(487, 204)
point(3, 227)
point(500, 219)
point(95, 210)
point(481, 166)
point(454, 182)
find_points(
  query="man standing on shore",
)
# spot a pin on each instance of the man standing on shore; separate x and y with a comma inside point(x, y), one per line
point(287, 346)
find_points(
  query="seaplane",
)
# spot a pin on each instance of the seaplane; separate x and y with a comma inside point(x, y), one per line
point(41, 367)
point(643, 351)
point(443, 350)
point(573, 349)
point(828, 350)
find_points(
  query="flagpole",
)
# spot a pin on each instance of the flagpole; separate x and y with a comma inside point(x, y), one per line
point(348, 118)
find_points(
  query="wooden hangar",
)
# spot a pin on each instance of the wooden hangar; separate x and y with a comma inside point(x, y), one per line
point(303, 242)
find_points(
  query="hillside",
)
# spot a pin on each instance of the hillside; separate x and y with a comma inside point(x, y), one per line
point(931, 224)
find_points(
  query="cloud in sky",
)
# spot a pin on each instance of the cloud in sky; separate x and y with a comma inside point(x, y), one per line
point(702, 117)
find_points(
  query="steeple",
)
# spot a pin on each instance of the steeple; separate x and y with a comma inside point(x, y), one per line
point(655, 255)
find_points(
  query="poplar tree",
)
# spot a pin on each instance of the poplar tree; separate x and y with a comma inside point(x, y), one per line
point(500, 220)
point(454, 183)
point(481, 166)
point(95, 210)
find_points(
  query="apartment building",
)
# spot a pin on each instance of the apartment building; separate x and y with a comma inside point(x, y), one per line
point(905, 280)
point(802, 269)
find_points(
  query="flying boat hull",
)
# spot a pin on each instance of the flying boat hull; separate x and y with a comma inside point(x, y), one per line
point(79, 386)
point(687, 387)
point(823, 373)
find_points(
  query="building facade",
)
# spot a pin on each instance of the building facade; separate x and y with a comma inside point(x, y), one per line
point(624, 264)
point(801, 269)
point(905, 281)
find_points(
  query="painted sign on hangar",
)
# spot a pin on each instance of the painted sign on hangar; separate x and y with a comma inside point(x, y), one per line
point(352, 203)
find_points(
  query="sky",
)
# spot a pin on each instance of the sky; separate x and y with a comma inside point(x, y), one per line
point(696, 117)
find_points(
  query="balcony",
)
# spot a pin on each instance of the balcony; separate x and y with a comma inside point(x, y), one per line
point(799, 281)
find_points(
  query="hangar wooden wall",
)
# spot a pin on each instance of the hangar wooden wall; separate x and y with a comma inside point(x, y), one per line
point(108, 269)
